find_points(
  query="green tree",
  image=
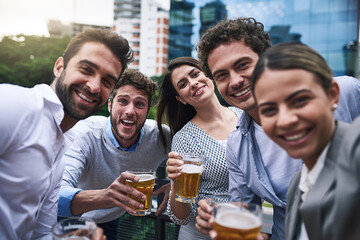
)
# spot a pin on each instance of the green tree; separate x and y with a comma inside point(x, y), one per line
point(28, 60)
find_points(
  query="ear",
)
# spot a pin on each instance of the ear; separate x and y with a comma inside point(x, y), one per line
point(109, 105)
point(181, 100)
point(334, 95)
point(58, 67)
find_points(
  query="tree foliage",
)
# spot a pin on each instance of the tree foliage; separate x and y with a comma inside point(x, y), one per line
point(28, 60)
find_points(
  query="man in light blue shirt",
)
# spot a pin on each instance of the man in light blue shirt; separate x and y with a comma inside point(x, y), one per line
point(258, 168)
point(104, 148)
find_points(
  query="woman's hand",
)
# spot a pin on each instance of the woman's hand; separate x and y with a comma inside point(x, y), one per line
point(174, 165)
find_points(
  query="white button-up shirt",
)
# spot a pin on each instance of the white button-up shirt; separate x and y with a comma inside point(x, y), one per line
point(31, 146)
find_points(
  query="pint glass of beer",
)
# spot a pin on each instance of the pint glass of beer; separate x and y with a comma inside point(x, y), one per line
point(235, 220)
point(146, 186)
point(188, 183)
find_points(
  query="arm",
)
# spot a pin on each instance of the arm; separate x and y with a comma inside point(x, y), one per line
point(74, 201)
point(164, 189)
point(113, 196)
point(237, 181)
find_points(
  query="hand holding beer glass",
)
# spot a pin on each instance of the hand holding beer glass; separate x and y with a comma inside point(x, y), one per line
point(237, 220)
point(188, 183)
point(145, 185)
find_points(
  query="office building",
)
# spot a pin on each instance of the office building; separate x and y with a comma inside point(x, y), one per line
point(145, 25)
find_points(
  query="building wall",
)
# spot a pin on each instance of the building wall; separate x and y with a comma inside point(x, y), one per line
point(153, 38)
point(329, 26)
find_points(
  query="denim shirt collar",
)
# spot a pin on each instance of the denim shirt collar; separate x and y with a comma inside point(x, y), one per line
point(244, 123)
point(113, 140)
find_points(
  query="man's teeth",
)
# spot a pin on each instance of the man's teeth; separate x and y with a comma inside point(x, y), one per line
point(295, 137)
point(84, 97)
point(127, 121)
point(242, 92)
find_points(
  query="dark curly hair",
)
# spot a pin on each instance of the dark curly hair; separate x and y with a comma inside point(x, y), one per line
point(247, 29)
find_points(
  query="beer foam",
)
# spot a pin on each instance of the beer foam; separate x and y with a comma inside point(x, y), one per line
point(191, 168)
point(145, 177)
point(237, 219)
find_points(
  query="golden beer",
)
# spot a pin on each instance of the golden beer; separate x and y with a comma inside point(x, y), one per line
point(188, 183)
point(233, 223)
point(146, 186)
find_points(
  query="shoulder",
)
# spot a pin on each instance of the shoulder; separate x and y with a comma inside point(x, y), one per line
point(347, 83)
point(351, 141)
point(87, 127)
point(150, 125)
point(236, 110)
point(17, 97)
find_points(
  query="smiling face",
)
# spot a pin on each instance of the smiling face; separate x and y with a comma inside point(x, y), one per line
point(85, 84)
point(192, 85)
point(296, 112)
point(231, 65)
point(128, 113)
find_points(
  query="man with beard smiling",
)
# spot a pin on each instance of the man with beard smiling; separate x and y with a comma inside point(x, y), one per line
point(32, 126)
point(104, 148)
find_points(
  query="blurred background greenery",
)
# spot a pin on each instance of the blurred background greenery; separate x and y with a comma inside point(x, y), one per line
point(27, 60)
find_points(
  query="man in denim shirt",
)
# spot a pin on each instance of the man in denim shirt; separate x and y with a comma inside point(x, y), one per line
point(258, 168)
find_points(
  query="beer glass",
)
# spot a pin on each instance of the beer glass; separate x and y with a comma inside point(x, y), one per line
point(78, 228)
point(188, 183)
point(146, 186)
point(236, 220)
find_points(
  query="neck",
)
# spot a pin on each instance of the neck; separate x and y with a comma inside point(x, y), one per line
point(254, 113)
point(67, 123)
point(125, 143)
point(210, 111)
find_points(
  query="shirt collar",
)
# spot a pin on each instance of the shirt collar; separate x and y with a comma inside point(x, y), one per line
point(51, 97)
point(113, 140)
point(308, 178)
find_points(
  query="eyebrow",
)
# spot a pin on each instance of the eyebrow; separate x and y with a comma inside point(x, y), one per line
point(189, 74)
point(143, 98)
point(233, 65)
point(97, 67)
point(287, 99)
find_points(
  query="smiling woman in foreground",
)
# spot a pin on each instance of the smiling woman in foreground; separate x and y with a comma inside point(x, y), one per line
point(296, 97)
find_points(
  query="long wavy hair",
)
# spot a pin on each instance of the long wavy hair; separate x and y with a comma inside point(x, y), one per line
point(170, 110)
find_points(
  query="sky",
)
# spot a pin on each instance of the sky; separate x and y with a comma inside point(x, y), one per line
point(30, 16)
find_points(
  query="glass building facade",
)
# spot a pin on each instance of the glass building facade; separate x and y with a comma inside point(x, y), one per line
point(329, 26)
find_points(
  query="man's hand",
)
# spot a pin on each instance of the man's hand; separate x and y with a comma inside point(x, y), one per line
point(117, 194)
point(203, 223)
point(166, 190)
point(99, 234)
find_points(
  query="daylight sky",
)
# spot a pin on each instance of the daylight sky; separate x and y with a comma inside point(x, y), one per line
point(31, 16)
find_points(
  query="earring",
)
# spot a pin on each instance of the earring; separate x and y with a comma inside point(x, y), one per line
point(335, 106)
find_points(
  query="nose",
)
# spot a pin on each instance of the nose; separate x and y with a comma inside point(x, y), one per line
point(193, 83)
point(94, 85)
point(286, 118)
point(236, 80)
point(130, 109)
